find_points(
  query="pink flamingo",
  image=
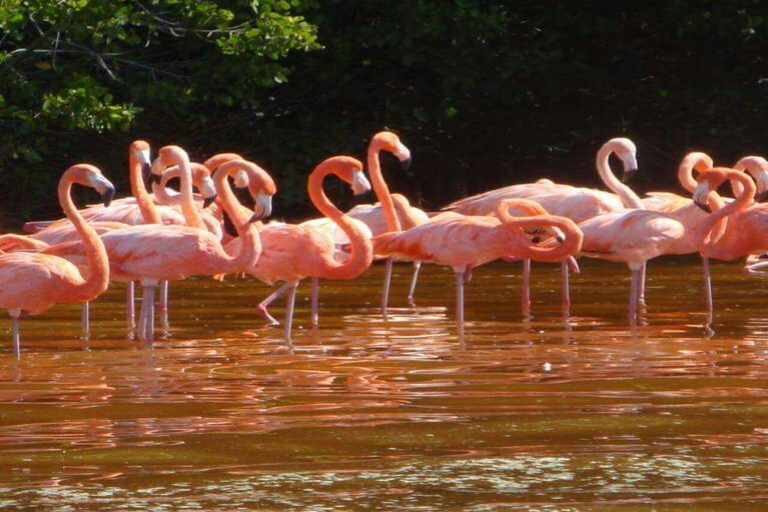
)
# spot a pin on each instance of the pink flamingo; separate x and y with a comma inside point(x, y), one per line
point(745, 222)
point(575, 203)
point(153, 253)
point(755, 166)
point(464, 242)
point(293, 252)
point(33, 282)
point(389, 215)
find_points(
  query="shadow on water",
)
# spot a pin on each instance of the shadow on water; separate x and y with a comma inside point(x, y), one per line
point(541, 413)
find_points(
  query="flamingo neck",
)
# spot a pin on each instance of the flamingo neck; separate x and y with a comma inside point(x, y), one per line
point(189, 209)
point(558, 252)
point(708, 237)
point(628, 196)
point(362, 249)
point(143, 200)
point(381, 188)
point(249, 249)
point(95, 252)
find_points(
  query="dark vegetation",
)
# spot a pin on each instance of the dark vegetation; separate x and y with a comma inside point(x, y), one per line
point(484, 92)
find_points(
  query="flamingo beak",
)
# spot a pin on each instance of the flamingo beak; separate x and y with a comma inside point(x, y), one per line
point(229, 226)
point(208, 201)
point(628, 175)
point(404, 155)
point(108, 195)
point(700, 196)
point(262, 207)
point(360, 184)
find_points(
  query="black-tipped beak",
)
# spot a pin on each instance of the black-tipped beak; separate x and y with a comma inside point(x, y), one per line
point(229, 226)
point(208, 201)
point(146, 172)
point(704, 206)
point(108, 196)
point(256, 217)
point(560, 239)
point(628, 175)
point(762, 196)
point(154, 178)
point(364, 197)
point(405, 164)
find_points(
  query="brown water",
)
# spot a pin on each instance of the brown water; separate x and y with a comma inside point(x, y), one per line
point(553, 413)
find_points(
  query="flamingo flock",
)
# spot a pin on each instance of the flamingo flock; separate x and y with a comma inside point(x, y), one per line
point(202, 229)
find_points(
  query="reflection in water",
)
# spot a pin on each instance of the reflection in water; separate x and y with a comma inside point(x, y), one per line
point(539, 412)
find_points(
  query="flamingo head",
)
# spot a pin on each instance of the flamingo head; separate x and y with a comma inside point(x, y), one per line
point(709, 181)
point(757, 168)
point(201, 178)
point(626, 150)
point(140, 151)
point(388, 141)
point(90, 176)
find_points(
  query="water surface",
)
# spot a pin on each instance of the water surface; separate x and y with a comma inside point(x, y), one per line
point(549, 413)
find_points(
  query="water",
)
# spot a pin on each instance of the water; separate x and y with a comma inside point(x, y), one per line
point(546, 414)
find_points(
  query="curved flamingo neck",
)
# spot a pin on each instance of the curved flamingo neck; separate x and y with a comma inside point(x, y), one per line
point(405, 212)
point(739, 204)
point(191, 214)
point(143, 200)
point(362, 249)
point(380, 186)
point(560, 251)
point(695, 160)
point(628, 196)
point(250, 247)
point(95, 252)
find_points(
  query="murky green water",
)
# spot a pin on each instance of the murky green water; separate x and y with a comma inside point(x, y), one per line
point(550, 414)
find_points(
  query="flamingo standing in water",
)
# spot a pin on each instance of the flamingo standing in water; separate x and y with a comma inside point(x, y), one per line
point(464, 242)
point(30, 283)
point(746, 223)
point(153, 253)
point(293, 252)
point(575, 203)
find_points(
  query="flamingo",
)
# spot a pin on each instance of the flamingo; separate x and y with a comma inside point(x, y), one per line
point(292, 252)
point(388, 216)
point(575, 203)
point(31, 283)
point(153, 253)
point(464, 242)
point(745, 223)
point(755, 166)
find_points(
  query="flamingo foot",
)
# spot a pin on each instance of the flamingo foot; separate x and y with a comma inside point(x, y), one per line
point(261, 309)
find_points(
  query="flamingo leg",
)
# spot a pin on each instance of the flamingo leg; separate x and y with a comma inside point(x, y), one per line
point(525, 299)
point(414, 280)
point(130, 308)
point(262, 310)
point(163, 302)
point(707, 283)
point(641, 285)
point(85, 318)
point(315, 302)
point(566, 286)
point(16, 328)
point(147, 317)
point(385, 288)
point(290, 303)
point(633, 295)
point(460, 302)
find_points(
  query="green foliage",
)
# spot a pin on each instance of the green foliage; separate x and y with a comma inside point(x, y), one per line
point(486, 92)
point(77, 67)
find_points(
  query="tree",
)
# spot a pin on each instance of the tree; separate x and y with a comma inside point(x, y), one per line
point(73, 73)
